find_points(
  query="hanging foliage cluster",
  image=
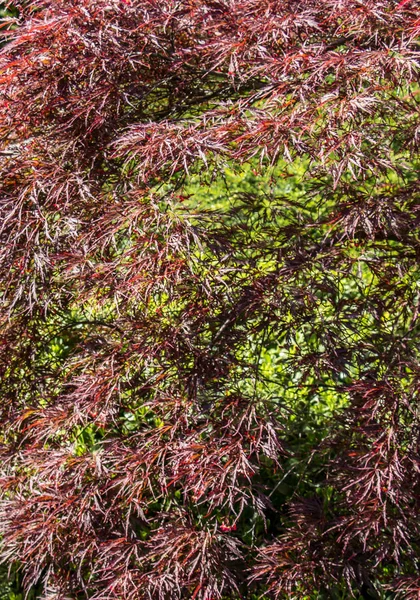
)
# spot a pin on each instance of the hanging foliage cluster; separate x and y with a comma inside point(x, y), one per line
point(210, 395)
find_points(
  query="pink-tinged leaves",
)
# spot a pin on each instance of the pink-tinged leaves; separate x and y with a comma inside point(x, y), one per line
point(165, 345)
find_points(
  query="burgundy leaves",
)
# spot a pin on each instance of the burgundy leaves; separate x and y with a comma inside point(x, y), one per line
point(199, 358)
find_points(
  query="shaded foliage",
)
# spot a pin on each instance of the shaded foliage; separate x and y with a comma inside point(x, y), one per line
point(209, 271)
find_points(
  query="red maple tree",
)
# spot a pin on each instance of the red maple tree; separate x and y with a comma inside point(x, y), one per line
point(138, 446)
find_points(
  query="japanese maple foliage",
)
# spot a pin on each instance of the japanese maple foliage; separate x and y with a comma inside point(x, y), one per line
point(144, 448)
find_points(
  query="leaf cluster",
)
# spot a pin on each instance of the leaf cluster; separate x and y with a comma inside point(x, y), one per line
point(209, 260)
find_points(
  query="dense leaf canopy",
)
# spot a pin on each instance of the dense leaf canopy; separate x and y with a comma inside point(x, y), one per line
point(209, 258)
